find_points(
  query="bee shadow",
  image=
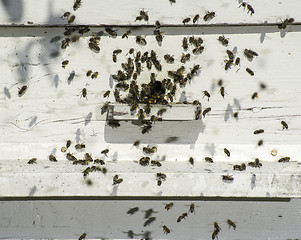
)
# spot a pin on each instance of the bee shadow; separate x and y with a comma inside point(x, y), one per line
point(185, 132)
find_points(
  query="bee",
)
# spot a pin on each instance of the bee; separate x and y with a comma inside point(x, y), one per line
point(191, 160)
point(195, 69)
point(144, 57)
point(196, 18)
point(208, 159)
point(88, 157)
point(284, 24)
point(107, 94)
point(158, 24)
point(227, 152)
point(159, 182)
point(209, 15)
point(144, 161)
point(111, 32)
point(158, 65)
point(198, 50)
point(284, 159)
point(159, 36)
point(143, 15)
point(68, 143)
point(227, 178)
point(250, 71)
point(99, 161)
point(105, 152)
point(141, 115)
point(197, 114)
point(241, 167)
point(52, 158)
point(237, 61)
point(260, 142)
point(87, 171)
point(214, 234)
point(231, 224)
point(284, 125)
point(207, 110)
point(94, 75)
point(140, 40)
point(117, 180)
point(243, 4)
point(185, 58)
point(70, 157)
point(166, 230)
point(63, 149)
point(94, 47)
point(224, 41)
point(161, 176)
point(126, 34)
point(83, 236)
point(183, 216)
point(228, 64)
point(65, 63)
point(149, 150)
point(22, 90)
point(250, 9)
point(222, 91)
point(83, 30)
point(230, 54)
point(249, 54)
point(186, 20)
point(258, 131)
point(136, 143)
point(80, 146)
point(77, 4)
point(169, 206)
point(255, 164)
point(255, 95)
point(220, 82)
point(66, 14)
point(161, 111)
point(105, 107)
point(216, 226)
point(172, 1)
point(192, 208)
point(235, 115)
point(88, 74)
point(185, 43)
point(147, 108)
point(69, 31)
point(156, 163)
point(32, 161)
point(84, 93)
point(131, 211)
point(207, 94)
point(65, 43)
point(146, 128)
point(71, 19)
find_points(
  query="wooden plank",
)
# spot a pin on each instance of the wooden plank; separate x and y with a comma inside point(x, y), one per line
point(108, 219)
point(125, 13)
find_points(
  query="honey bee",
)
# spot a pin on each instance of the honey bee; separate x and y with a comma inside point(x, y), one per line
point(197, 114)
point(186, 20)
point(235, 115)
point(241, 167)
point(185, 58)
point(80, 146)
point(161, 176)
point(250, 71)
point(144, 161)
point(216, 226)
point(136, 143)
point(227, 178)
point(99, 161)
point(214, 234)
point(126, 34)
point(196, 18)
point(243, 4)
point(195, 69)
point(111, 32)
point(208, 159)
point(250, 9)
point(88, 74)
point(69, 31)
point(255, 95)
point(183, 216)
point(87, 157)
point(284, 159)
point(198, 50)
point(255, 164)
point(159, 36)
point(52, 158)
point(83, 30)
point(230, 54)
point(192, 208)
point(260, 142)
point(83, 236)
point(159, 182)
point(286, 22)
point(32, 161)
point(166, 230)
point(70, 157)
point(146, 128)
point(87, 171)
point(191, 160)
point(105, 152)
point(66, 14)
point(71, 19)
point(224, 41)
point(169, 206)
point(207, 110)
point(220, 82)
point(140, 40)
point(161, 111)
point(147, 108)
point(105, 107)
point(158, 65)
point(156, 163)
point(94, 47)
point(284, 125)
point(107, 94)
point(227, 152)
point(117, 180)
point(222, 91)
point(207, 94)
point(258, 131)
point(65, 43)
point(68, 143)
point(84, 93)
point(94, 75)
point(143, 15)
point(209, 15)
point(149, 150)
point(77, 4)
point(172, 1)
point(231, 224)
point(65, 63)
point(141, 115)
point(158, 24)
point(237, 61)
point(249, 54)
point(228, 64)
point(22, 90)
point(131, 211)
point(185, 43)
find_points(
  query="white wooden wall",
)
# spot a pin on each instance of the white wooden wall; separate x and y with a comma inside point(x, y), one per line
point(51, 111)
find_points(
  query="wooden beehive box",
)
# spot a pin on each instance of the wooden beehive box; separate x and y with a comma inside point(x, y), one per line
point(55, 200)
